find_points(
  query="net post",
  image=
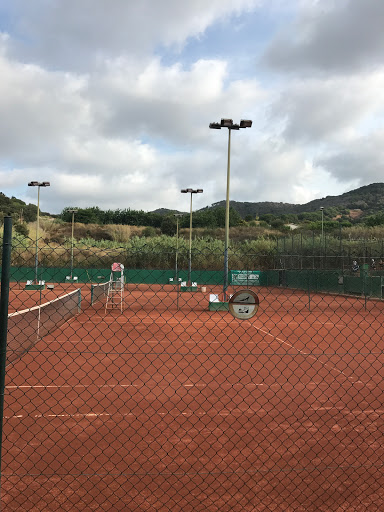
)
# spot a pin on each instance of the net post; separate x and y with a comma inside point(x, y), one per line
point(4, 303)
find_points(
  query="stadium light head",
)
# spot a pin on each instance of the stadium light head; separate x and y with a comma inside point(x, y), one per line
point(39, 184)
point(245, 123)
point(226, 123)
point(191, 191)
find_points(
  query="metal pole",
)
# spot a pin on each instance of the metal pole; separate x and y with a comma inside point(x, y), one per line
point(37, 234)
point(4, 301)
point(177, 250)
point(190, 246)
point(176, 263)
point(73, 219)
point(322, 225)
point(226, 243)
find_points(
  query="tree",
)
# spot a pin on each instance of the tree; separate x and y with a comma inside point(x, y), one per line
point(22, 229)
point(374, 220)
point(168, 225)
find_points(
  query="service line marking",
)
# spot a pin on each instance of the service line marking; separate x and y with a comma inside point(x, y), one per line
point(76, 386)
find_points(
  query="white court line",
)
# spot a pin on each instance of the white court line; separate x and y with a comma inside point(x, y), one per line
point(345, 410)
point(112, 386)
point(76, 386)
point(293, 322)
point(156, 321)
point(307, 354)
point(79, 415)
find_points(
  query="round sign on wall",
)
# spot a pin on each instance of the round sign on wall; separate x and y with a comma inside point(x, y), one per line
point(244, 304)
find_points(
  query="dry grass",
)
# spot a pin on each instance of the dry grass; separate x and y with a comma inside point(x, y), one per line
point(56, 232)
point(52, 231)
point(236, 234)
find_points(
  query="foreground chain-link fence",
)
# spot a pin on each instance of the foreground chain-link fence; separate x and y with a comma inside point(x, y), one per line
point(133, 387)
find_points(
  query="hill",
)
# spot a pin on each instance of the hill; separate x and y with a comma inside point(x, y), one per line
point(17, 208)
point(355, 204)
point(369, 199)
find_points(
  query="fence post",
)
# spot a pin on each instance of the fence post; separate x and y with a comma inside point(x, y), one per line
point(4, 301)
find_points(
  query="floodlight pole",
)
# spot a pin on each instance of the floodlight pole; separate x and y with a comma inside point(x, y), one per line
point(226, 244)
point(177, 215)
point(73, 223)
point(190, 191)
point(322, 236)
point(228, 123)
point(322, 225)
point(38, 185)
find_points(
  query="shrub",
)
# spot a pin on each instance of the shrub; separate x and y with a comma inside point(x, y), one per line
point(22, 229)
point(148, 232)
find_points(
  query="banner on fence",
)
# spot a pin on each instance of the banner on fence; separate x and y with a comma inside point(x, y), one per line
point(245, 277)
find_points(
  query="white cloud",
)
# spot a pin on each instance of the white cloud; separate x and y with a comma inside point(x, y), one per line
point(91, 102)
point(361, 160)
point(318, 110)
point(40, 108)
point(72, 35)
point(334, 36)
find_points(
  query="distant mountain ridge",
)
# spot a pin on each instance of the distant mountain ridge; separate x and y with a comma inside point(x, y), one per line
point(366, 200)
point(369, 199)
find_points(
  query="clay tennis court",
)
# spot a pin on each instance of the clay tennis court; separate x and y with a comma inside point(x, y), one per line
point(169, 406)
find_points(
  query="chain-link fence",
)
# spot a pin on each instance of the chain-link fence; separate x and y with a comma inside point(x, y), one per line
point(136, 389)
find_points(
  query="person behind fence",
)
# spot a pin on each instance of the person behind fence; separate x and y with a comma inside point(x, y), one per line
point(373, 264)
point(355, 266)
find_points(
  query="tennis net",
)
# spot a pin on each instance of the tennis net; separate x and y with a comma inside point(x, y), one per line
point(99, 291)
point(26, 327)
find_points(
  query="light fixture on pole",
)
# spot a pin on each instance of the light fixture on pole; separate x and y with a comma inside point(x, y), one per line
point(73, 211)
point(228, 123)
point(190, 191)
point(37, 184)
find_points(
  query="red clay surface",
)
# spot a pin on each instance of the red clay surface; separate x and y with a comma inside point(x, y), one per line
point(168, 406)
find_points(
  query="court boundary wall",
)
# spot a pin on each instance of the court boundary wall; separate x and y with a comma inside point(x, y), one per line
point(311, 280)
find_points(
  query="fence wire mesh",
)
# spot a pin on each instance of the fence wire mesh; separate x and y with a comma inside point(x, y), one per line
point(152, 396)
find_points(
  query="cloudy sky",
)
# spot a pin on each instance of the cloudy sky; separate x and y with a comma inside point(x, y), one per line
point(111, 100)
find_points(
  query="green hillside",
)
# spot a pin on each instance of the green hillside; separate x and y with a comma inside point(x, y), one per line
point(369, 199)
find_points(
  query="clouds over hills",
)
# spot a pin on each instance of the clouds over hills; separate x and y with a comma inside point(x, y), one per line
point(111, 101)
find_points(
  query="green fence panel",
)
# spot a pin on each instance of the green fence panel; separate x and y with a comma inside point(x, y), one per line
point(314, 280)
point(270, 277)
point(353, 284)
point(145, 276)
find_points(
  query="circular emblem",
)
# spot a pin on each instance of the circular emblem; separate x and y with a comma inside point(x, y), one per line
point(244, 304)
